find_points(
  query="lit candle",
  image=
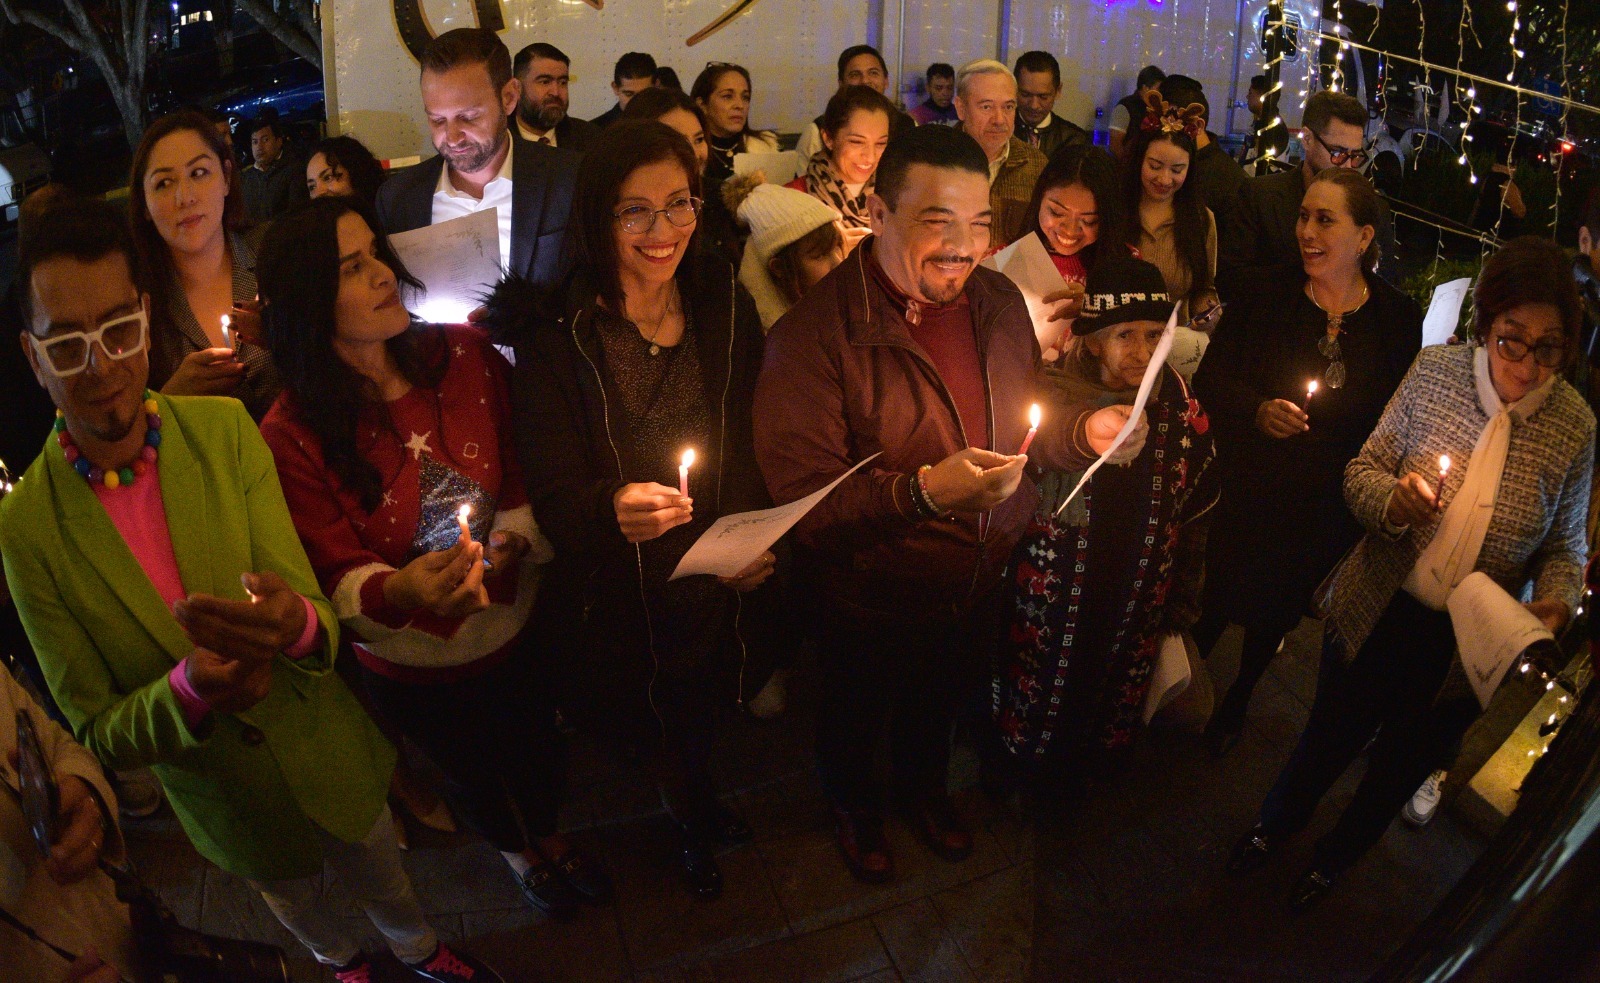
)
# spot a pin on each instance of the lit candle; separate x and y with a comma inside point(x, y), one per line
point(461, 516)
point(227, 332)
point(1033, 427)
point(683, 472)
point(1444, 469)
point(1311, 390)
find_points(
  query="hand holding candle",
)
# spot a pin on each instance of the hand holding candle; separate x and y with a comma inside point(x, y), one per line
point(683, 472)
point(1034, 417)
point(1311, 390)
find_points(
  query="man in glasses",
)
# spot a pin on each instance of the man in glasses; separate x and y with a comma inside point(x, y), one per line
point(1259, 232)
point(178, 623)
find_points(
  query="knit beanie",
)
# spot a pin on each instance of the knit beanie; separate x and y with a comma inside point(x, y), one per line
point(776, 216)
point(1122, 289)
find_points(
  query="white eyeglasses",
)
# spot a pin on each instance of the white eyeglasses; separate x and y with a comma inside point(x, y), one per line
point(68, 354)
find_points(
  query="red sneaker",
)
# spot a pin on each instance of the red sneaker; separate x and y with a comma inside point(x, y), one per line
point(861, 841)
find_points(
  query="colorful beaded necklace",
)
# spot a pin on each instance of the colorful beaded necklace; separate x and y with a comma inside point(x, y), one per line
point(120, 476)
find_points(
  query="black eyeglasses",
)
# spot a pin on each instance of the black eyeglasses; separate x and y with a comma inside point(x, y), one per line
point(1341, 155)
point(638, 219)
point(1549, 354)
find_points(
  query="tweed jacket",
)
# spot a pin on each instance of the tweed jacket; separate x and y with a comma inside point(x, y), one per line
point(1011, 192)
point(1537, 530)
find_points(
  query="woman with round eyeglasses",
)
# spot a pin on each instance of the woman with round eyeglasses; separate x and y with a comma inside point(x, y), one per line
point(651, 353)
point(1294, 379)
point(1512, 505)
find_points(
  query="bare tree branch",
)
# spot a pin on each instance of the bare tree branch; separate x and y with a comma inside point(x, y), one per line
point(120, 55)
point(299, 35)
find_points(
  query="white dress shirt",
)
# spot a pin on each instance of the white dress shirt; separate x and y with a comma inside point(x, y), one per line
point(449, 203)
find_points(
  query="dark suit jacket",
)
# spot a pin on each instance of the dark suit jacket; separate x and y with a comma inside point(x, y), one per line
point(1218, 177)
point(575, 134)
point(606, 118)
point(542, 183)
point(1260, 233)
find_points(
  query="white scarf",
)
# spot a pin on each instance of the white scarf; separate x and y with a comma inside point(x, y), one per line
point(1452, 553)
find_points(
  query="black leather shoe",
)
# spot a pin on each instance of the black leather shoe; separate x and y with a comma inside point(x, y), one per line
point(700, 871)
point(727, 826)
point(587, 879)
point(862, 844)
point(1309, 889)
point(545, 890)
point(1252, 851)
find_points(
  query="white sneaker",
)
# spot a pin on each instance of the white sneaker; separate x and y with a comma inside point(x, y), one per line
point(1426, 800)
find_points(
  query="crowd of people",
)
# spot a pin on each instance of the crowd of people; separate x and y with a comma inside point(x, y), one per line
point(452, 538)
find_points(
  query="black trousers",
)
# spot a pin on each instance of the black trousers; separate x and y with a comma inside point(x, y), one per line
point(1390, 688)
point(916, 677)
point(494, 737)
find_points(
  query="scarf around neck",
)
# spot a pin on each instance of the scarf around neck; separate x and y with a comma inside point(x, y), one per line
point(823, 184)
point(1453, 551)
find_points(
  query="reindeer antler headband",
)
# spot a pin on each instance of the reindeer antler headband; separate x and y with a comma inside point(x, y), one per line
point(1162, 116)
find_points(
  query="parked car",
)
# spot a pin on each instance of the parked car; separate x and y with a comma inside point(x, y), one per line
point(23, 169)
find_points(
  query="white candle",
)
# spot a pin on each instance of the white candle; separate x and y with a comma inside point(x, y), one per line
point(461, 516)
point(1311, 390)
point(1034, 417)
point(227, 333)
point(683, 472)
point(1444, 469)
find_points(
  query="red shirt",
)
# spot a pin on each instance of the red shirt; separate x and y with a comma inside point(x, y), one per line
point(946, 333)
point(1070, 267)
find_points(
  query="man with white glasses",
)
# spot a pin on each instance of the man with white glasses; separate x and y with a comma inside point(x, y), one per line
point(178, 623)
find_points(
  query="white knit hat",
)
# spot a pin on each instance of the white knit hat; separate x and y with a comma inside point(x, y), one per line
point(777, 216)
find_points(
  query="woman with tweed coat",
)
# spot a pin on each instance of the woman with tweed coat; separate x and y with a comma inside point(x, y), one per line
point(1513, 507)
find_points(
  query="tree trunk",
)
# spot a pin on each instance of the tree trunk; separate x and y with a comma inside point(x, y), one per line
point(298, 35)
point(120, 49)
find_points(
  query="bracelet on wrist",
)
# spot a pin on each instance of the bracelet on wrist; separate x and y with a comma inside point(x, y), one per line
point(932, 507)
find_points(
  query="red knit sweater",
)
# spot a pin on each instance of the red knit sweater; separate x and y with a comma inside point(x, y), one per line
point(448, 446)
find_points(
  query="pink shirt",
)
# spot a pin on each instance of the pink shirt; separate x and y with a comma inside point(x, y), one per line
point(141, 517)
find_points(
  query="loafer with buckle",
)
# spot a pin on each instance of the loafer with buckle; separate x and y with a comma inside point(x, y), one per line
point(548, 892)
point(586, 878)
point(1312, 887)
point(1252, 851)
point(861, 842)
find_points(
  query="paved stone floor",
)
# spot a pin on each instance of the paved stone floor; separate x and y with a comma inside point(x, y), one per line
point(1127, 886)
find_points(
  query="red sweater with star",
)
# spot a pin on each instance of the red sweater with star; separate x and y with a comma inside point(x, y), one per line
point(438, 449)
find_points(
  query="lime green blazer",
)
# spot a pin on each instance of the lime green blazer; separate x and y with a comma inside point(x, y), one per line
point(252, 788)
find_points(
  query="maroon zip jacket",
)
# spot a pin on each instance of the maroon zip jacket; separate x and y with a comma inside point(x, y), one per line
point(843, 379)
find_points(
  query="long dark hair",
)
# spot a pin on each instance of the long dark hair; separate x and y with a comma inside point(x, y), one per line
point(1188, 209)
point(619, 150)
point(154, 255)
point(1094, 170)
point(351, 156)
point(706, 83)
point(298, 274)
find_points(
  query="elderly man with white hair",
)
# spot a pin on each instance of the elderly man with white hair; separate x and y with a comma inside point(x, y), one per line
point(986, 103)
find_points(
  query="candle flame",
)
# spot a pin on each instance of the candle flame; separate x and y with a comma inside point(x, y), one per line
point(1312, 387)
point(1034, 415)
point(688, 458)
point(227, 322)
point(464, 512)
point(1444, 463)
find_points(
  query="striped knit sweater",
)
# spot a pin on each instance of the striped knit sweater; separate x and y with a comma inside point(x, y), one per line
point(1537, 532)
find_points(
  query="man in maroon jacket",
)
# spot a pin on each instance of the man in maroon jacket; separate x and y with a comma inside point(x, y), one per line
point(911, 350)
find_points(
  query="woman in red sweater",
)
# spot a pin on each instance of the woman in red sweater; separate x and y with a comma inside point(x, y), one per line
point(386, 433)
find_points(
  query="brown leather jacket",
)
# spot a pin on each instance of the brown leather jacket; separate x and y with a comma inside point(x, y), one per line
point(843, 380)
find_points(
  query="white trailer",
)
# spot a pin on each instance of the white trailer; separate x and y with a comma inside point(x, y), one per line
point(790, 46)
